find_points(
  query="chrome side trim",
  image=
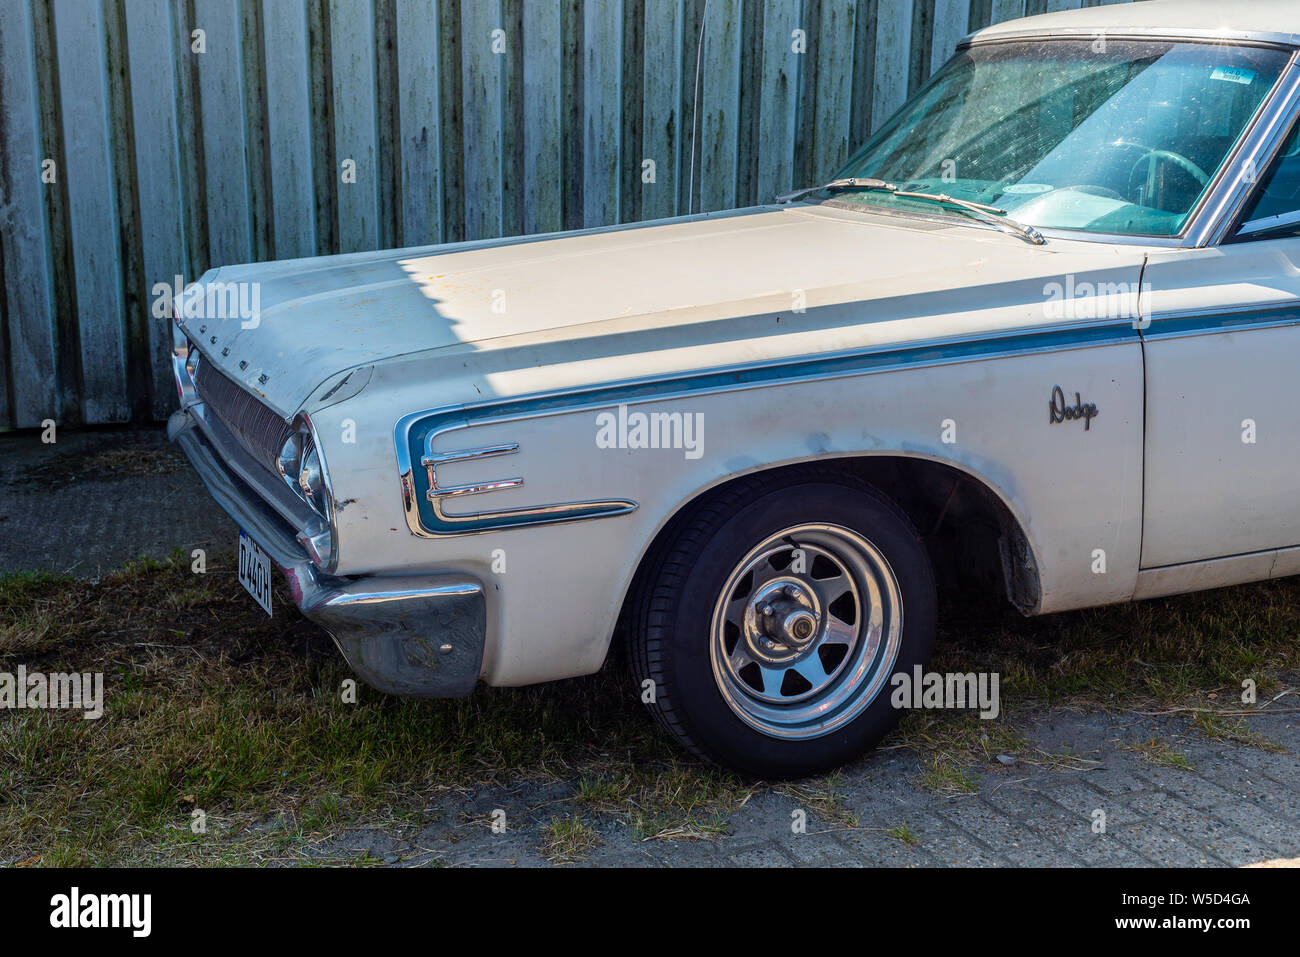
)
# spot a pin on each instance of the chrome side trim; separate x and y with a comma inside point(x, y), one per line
point(434, 459)
point(445, 523)
point(1208, 322)
point(1255, 226)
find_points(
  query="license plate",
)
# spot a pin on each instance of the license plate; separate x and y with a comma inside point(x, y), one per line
point(255, 571)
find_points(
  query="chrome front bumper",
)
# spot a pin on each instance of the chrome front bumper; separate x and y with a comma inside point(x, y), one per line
point(404, 636)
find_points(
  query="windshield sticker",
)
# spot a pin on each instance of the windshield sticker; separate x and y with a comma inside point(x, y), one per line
point(1028, 188)
point(1233, 74)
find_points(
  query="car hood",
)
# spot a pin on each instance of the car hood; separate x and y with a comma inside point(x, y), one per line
point(700, 280)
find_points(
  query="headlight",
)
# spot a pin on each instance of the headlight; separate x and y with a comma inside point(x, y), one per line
point(289, 460)
point(311, 479)
point(302, 466)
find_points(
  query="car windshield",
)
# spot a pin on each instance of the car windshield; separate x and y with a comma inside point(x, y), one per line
point(1107, 136)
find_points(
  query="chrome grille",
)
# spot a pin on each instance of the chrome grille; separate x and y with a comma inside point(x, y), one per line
point(257, 428)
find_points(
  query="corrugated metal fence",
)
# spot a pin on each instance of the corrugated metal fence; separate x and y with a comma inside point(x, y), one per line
point(145, 139)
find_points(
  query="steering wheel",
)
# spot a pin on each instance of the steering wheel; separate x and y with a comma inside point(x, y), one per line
point(1178, 159)
point(1151, 156)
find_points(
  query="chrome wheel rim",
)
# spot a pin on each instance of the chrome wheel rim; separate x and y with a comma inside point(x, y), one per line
point(806, 630)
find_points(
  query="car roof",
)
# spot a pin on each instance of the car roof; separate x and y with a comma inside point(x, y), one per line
point(1276, 21)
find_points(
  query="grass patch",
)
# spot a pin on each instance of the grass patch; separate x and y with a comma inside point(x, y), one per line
point(944, 777)
point(901, 832)
point(568, 839)
point(684, 801)
point(958, 736)
point(822, 798)
point(1219, 727)
point(1162, 753)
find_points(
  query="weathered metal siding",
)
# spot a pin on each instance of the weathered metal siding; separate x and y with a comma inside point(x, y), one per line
point(128, 158)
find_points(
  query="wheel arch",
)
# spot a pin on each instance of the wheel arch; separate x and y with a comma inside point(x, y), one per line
point(955, 510)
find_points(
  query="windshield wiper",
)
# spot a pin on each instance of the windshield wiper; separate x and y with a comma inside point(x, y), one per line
point(848, 182)
point(988, 214)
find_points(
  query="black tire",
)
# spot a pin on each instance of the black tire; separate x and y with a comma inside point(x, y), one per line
point(671, 623)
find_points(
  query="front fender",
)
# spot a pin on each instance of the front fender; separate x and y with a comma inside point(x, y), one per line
point(555, 590)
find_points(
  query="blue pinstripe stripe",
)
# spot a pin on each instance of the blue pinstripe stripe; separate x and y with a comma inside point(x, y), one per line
point(412, 431)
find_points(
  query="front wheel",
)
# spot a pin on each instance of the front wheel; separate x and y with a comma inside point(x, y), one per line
point(769, 628)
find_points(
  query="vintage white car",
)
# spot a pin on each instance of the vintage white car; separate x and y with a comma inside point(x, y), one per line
point(1040, 334)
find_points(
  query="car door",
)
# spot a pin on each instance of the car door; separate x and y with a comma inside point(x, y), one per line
point(1222, 353)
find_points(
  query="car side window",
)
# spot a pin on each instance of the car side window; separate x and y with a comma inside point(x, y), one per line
point(1273, 212)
